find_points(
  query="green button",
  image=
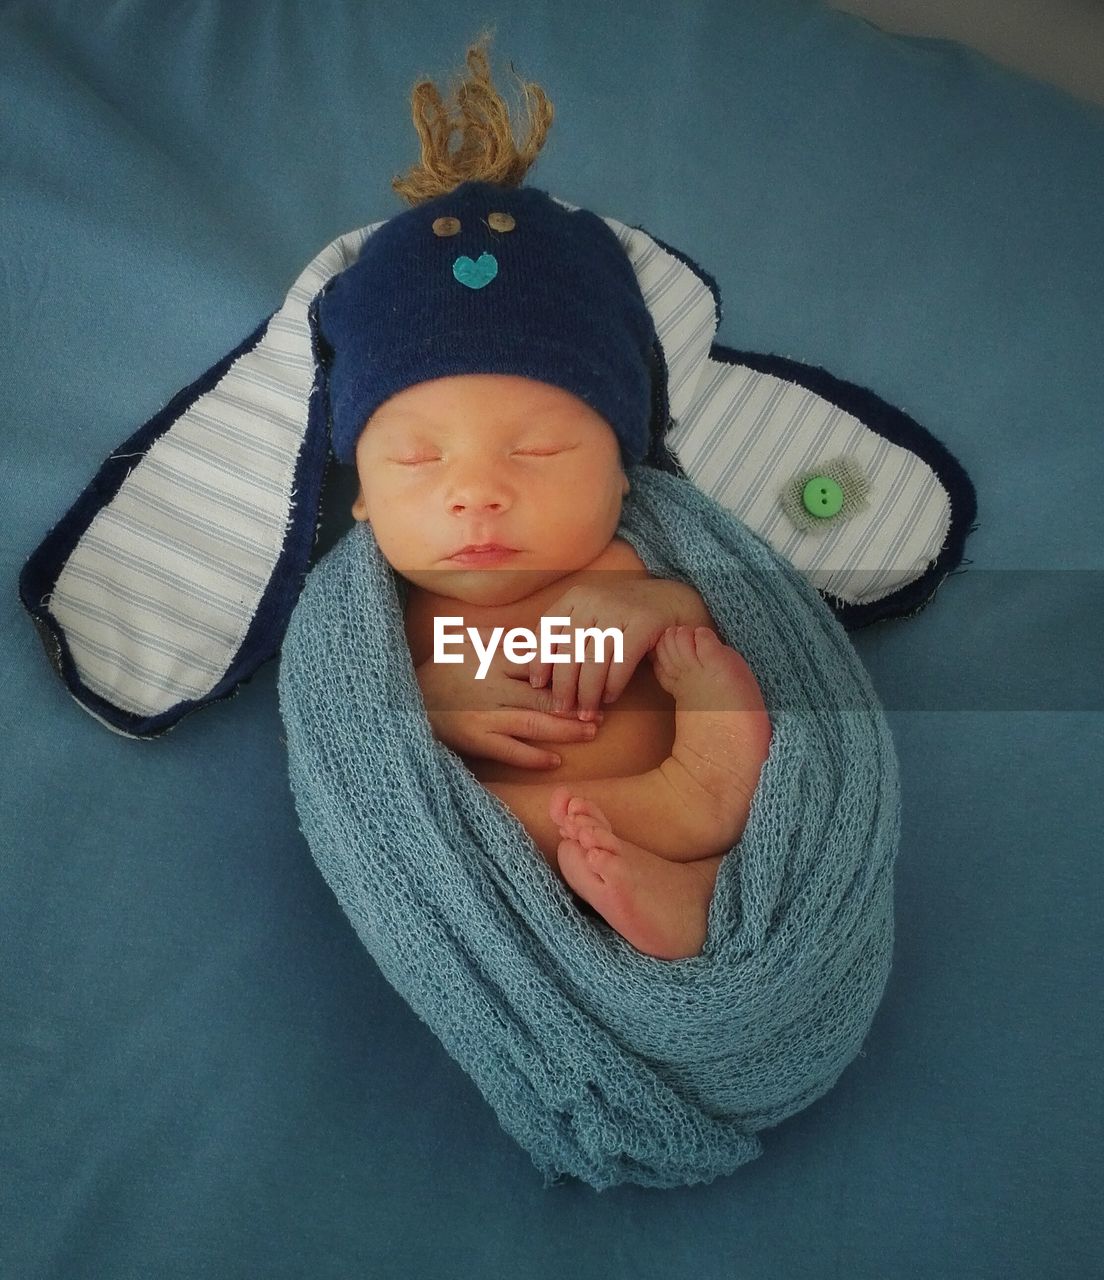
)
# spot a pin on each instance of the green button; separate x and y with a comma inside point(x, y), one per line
point(822, 497)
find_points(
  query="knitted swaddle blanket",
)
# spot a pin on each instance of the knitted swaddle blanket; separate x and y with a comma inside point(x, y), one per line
point(604, 1063)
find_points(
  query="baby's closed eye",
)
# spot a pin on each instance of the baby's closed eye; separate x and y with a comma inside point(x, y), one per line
point(549, 452)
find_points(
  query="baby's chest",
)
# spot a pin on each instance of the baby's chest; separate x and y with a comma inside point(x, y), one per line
point(635, 736)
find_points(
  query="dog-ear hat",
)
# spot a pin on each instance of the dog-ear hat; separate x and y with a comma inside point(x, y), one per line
point(172, 577)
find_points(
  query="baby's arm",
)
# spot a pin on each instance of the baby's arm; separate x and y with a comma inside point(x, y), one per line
point(641, 607)
point(688, 607)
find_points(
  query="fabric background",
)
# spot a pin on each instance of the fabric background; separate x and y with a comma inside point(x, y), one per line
point(201, 1071)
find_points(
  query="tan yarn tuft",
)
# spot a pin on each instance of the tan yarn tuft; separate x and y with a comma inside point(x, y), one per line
point(488, 151)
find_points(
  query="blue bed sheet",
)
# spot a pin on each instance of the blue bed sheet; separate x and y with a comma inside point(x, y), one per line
point(202, 1073)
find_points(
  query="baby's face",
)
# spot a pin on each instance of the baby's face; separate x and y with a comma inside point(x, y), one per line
point(489, 458)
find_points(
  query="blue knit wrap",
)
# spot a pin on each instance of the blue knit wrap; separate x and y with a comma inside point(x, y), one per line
point(604, 1063)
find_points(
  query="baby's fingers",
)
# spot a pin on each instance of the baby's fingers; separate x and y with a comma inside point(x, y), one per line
point(541, 727)
point(508, 750)
point(515, 670)
point(620, 673)
point(545, 727)
point(540, 673)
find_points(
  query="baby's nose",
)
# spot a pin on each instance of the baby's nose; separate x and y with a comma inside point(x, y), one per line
point(479, 491)
point(476, 504)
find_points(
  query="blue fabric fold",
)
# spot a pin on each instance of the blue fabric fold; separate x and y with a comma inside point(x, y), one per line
point(603, 1063)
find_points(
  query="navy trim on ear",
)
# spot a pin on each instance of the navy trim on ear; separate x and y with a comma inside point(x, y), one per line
point(897, 427)
point(659, 455)
point(699, 271)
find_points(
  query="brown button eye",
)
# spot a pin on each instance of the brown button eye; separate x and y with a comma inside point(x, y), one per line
point(501, 221)
point(446, 226)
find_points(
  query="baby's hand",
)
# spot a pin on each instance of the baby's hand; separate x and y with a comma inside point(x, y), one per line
point(641, 608)
point(486, 718)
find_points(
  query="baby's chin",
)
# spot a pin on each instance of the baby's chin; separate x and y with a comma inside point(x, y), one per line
point(483, 587)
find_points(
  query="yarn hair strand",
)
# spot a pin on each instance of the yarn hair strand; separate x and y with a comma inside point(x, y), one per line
point(488, 150)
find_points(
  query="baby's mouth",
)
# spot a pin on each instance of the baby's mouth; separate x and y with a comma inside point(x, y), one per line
point(482, 553)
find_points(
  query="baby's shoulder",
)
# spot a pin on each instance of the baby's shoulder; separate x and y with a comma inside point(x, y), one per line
point(621, 555)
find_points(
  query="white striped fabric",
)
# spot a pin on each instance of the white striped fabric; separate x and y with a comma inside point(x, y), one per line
point(682, 308)
point(157, 597)
point(748, 434)
point(741, 436)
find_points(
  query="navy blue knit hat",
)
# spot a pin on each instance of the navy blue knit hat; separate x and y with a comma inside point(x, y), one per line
point(490, 279)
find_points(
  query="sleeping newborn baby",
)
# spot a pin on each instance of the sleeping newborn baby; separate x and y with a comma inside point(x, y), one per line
point(656, 761)
point(493, 372)
point(488, 363)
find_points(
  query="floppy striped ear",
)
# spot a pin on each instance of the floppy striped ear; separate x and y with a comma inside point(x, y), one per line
point(172, 578)
point(865, 503)
point(869, 506)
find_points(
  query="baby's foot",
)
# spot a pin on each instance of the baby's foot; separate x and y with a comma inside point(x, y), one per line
point(659, 907)
point(722, 735)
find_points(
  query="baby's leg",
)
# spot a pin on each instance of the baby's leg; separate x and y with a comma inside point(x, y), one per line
point(696, 803)
point(688, 811)
point(642, 806)
point(658, 906)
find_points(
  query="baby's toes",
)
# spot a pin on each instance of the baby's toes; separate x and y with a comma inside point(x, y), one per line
point(557, 804)
point(587, 811)
point(666, 646)
point(687, 640)
point(598, 839)
point(673, 650)
point(580, 868)
point(706, 643)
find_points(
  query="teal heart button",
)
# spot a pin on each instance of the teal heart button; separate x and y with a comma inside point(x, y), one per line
point(475, 274)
